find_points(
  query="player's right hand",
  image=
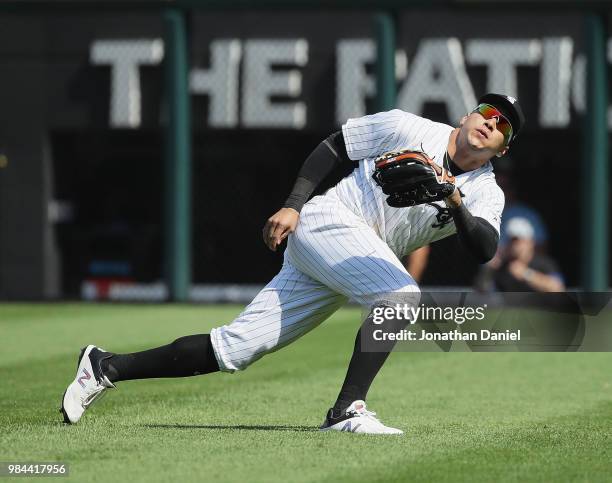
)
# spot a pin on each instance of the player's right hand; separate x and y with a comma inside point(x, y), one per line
point(279, 226)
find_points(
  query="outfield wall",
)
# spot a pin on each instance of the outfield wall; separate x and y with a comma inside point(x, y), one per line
point(81, 184)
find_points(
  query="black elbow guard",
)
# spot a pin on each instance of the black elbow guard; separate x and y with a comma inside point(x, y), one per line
point(476, 234)
point(489, 246)
point(483, 241)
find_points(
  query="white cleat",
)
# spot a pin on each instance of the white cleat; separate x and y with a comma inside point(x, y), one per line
point(88, 385)
point(356, 419)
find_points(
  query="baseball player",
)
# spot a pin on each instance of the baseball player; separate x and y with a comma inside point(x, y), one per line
point(345, 244)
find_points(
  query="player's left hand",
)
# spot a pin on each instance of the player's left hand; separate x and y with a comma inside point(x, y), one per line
point(279, 226)
point(454, 200)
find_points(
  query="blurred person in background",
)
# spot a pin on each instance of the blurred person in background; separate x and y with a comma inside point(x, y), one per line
point(515, 207)
point(518, 267)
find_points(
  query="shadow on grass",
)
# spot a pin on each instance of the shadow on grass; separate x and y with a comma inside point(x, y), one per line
point(238, 427)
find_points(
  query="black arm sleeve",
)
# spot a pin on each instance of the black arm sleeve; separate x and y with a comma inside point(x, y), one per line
point(476, 234)
point(326, 156)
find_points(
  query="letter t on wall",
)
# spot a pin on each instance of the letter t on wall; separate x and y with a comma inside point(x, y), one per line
point(125, 57)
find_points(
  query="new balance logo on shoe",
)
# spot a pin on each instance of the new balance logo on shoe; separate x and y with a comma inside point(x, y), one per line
point(86, 377)
point(348, 427)
point(356, 419)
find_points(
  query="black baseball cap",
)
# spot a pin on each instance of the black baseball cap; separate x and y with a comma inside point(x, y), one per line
point(509, 107)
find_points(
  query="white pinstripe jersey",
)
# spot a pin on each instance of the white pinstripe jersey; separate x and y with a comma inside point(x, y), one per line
point(406, 229)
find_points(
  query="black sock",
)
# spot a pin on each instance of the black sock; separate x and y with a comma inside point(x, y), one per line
point(186, 356)
point(365, 365)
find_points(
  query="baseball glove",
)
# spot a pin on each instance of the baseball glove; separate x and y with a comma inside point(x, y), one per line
point(411, 178)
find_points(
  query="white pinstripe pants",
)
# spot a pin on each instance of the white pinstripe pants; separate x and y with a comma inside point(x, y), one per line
point(332, 256)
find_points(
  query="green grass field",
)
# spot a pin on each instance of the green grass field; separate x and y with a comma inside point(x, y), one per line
point(467, 416)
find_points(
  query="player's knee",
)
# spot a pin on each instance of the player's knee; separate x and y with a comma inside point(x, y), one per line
point(410, 288)
point(409, 294)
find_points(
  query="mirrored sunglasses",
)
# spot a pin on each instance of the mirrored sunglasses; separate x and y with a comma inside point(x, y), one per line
point(502, 124)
